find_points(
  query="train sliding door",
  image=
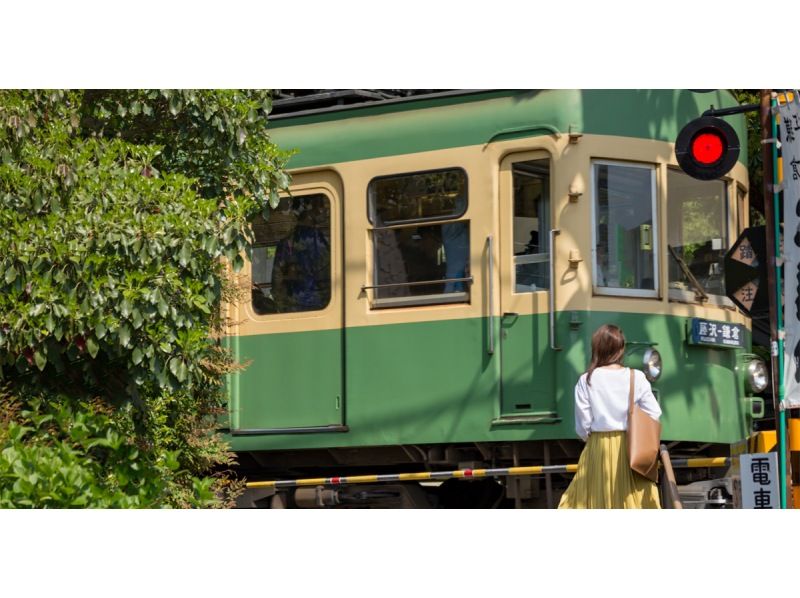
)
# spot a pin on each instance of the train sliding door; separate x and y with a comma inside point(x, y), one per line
point(289, 325)
point(527, 360)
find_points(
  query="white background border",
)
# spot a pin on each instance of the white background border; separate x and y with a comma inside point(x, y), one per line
point(373, 44)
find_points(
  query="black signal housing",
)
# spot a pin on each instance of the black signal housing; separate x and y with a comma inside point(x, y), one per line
point(707, 148)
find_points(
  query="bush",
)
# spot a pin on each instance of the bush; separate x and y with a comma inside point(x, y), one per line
point(116, 209)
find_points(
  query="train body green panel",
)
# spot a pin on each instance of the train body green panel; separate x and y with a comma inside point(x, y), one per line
point(410, 127)
point(435, 382)
point(294, 380)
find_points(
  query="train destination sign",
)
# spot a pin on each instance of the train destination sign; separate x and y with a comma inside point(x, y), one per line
point(716, 334)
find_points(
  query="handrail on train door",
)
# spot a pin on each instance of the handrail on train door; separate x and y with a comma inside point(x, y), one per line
point(553, 344)
point(490, 302)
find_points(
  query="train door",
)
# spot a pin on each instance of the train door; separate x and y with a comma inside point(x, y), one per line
point(289, 325)
point(527, 360)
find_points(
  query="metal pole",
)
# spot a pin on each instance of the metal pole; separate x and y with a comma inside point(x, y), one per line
point(779, 308)
point(517, 481)
point(769, 215)
point(672, 497)
point(548, 482)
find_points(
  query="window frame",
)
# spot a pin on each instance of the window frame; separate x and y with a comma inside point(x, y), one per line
point(429, 219)
point(731, 220)
point(254, 314)
point(534, 258)
point(463, 297)
point(655, 293)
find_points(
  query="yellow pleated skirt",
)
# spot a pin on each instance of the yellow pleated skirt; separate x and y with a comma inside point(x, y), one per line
point(604, 479)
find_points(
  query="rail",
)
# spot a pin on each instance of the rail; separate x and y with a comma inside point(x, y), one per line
point(417, 283)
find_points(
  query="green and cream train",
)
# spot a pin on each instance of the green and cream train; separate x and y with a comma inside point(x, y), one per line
point(425, 297)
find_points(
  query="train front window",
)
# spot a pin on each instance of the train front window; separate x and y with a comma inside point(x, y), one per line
point(697, 213)
point(531, 225)
point(291, 257)
point(624, 232)
point(421, 248)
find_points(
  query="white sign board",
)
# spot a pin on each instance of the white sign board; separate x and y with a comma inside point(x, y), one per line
point(790, 149)
point(759, 475)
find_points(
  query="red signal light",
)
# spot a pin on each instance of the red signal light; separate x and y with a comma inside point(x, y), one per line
point(707, 148)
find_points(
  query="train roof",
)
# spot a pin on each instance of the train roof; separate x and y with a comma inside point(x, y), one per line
point(347, 129)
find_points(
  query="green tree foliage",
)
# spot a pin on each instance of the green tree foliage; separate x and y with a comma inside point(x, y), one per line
point(116, 208)
point(755, 165)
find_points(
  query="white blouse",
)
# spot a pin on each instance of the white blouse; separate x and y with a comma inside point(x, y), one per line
point(602, 406)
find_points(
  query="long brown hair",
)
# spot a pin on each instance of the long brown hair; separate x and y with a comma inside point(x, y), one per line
point(608, 347)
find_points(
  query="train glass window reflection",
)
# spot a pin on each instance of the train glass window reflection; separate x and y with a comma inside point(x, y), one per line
point(435, 195)
point(417, 261)
point(624, 229)
point(697, 213)
point(531, 182)
point(291, 257)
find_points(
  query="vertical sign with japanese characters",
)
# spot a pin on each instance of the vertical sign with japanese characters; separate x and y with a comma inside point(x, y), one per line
point(759, 475)
point(789, 126)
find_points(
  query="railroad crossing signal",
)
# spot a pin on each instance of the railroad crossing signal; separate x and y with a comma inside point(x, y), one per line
point(745, 271)
point(707, 148)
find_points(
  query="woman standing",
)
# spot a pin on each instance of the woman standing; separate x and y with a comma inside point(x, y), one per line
point(604, 479)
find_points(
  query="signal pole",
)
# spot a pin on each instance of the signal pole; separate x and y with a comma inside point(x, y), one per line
point(772, 216)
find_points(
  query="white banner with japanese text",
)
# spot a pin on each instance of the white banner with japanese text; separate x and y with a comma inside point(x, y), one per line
point(759, 475)
point(789, 125)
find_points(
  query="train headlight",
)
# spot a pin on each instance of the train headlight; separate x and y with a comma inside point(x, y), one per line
point(652, 364)
point(757, 376)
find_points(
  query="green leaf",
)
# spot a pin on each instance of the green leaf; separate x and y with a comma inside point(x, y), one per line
point(174, 105)
point(124, 335)
point(201, 304)
point(238, 263)
point(11, 275)
point(137, 356)
point(50, 322)
point(182, 371)
point(162, 306)
point(40, 359)
point(92, 346)
point(100, 330)
point(185, 254)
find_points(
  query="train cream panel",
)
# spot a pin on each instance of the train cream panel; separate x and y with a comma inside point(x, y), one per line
point(489, 211)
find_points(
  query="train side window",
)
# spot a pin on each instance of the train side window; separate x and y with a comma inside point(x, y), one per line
point(531, 181)
point(421, 248)
point(697, 213)
point(291, 257)
point(624, 231)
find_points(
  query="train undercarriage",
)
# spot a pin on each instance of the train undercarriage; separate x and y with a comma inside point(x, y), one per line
point(699, 487)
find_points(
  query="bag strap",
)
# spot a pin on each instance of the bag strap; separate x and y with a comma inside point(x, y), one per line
point(630, 394)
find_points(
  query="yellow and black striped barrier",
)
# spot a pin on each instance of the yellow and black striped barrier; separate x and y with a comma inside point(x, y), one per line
point(422, 476)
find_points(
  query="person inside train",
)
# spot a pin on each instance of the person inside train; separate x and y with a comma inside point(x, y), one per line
point(301, 278)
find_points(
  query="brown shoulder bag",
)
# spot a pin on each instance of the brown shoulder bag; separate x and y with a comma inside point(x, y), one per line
point(644, 436)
